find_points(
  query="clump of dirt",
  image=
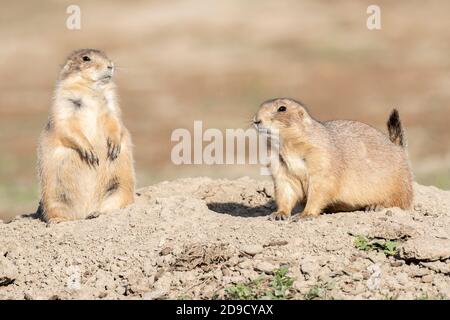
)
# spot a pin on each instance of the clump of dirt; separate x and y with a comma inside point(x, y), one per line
point(202, 238)
point(204, 256)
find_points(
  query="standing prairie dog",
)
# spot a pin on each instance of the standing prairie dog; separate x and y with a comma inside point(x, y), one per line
point(85, 160)
point(335, 165)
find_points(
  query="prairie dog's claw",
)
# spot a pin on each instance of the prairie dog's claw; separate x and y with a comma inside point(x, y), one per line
point(113, 149)
point(278, 215)
point(90, 157)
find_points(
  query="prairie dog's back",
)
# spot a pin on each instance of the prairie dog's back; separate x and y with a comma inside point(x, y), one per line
point(356, 139)
point(370, 161)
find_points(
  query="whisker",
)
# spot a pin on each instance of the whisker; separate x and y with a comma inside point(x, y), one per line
point(249, 123)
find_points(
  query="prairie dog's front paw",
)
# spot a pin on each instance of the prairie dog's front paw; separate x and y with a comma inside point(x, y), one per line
point(279, 215)
point(55, 220)
point(93, 215)
point(113, 148)
point(89, 156)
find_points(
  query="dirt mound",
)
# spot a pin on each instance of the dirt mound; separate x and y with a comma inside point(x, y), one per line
point(201, 238)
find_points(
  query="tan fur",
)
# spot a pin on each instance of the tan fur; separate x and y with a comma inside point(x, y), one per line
point(85, 160)
point(334, 165)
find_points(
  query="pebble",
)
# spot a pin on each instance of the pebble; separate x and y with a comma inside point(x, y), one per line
point(233, 261)
point(154, 295)
point(247, 264)
point(360, 288)
point(8, 271)
point(427, 278)
point(226, 272)
point(308, 266)
point(397, 263)
point(402, 278)
point(249, 274)
point(252, 249)
point(425, 248)
point(357, 277)
point(165, 251)
point(121, 290)
point(265, 267)
point(299, 285)
point(419, 272)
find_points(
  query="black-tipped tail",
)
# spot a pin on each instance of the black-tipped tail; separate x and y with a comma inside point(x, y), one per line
point(40, 211)
point(396, 133)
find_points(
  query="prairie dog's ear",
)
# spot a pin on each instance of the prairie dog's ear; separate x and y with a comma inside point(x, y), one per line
point(303, 114)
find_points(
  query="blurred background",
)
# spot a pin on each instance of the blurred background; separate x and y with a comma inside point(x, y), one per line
point(185, 60)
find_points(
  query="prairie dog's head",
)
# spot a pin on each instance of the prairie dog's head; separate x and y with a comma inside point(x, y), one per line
point(91, 65)
point(280, 115)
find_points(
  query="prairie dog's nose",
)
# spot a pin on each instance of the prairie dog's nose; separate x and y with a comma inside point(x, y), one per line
point(110, 67)
point(255, 121)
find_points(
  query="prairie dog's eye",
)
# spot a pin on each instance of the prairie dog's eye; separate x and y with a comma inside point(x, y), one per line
point(86, 58)
point(282, 109)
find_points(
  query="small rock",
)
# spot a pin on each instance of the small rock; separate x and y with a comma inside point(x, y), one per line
point(104, 280)
point(443, 288)
point(438, 266)
point(121, 290)
point(402, 278)
point(425, 248)
point(218, 274)
point(249, 274)
point(406, 296)
point(299, 285)
point(265, 267)
point(357, 277)
point(428, 278)
point(418, 272)
point(309, 266)
point(336, 273)
point(325, 278)
point(359, 288)
point(8, 271)
point(392, 231)
point(252, 249)
point(164, 283)
point(165, 251)
point(27, 296)
point(397, 263)
point(226, 272)
point(246, 264)
point(234, 260)
point(154, 295)
point(377, 257)
point(139, 285)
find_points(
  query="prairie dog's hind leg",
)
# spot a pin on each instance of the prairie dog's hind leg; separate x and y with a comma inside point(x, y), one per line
point(56, 211)
point(64, 183)
point(119, 188)
point(116, 198)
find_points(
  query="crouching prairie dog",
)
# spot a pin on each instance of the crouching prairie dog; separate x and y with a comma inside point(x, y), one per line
point(331, 166)
point(85, 161)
